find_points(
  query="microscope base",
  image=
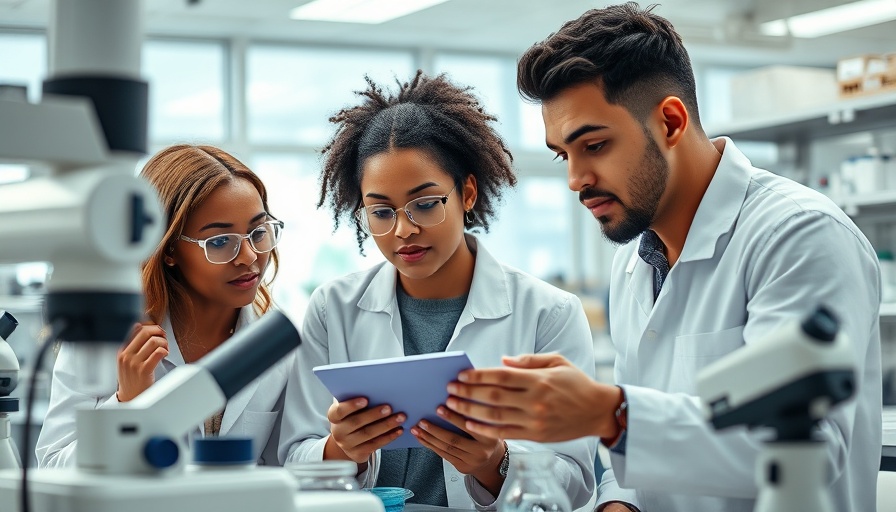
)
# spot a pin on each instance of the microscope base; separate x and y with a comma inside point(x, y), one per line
point(260, 489)
point(792, 477)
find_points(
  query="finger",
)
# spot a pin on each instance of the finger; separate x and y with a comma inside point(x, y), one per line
point(340, 410)
point(487, 413)
point(496, 431)
point(455, 419)
point(447, 441)
point(492, 395)
point(427, 441)
point(155, 359)
point(369, 431)
point(141, 335)
point(534, 361)
point(505, 377)
point(150, 347)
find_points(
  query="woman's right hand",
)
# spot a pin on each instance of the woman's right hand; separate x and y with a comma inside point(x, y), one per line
point(357, 432)
point(138, 360)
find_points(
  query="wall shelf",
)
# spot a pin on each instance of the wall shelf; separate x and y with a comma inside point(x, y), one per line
point(863, 113)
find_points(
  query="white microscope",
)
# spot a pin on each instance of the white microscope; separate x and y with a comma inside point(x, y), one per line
point(806, 368)
point(9, 378)
point(94, 221)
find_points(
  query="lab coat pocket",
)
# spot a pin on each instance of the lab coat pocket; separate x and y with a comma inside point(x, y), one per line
point(695, 351)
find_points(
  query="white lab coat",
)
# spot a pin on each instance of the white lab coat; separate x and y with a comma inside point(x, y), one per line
point(254, 411)
point(356, 318)
point(762, 250)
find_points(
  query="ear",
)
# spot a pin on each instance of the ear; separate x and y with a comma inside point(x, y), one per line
point(471, 192)
point(674, 118)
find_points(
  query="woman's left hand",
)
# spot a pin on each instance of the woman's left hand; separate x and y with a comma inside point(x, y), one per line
point(476, 455)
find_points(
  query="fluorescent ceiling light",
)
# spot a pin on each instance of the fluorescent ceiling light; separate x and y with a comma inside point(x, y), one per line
point(359, 11)
point(834, 19)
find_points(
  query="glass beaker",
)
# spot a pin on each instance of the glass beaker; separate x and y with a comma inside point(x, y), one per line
point(324, 475)
point(532, 485)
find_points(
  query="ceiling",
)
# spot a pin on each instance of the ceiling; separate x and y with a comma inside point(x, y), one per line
point(715, 31)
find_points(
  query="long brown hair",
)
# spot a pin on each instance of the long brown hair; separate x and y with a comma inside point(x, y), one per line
point(184, 176)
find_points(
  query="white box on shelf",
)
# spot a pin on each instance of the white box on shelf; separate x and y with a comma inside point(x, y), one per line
point(774, 90)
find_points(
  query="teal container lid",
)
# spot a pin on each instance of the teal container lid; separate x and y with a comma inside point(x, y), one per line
point(393, 498)
point(885, 255)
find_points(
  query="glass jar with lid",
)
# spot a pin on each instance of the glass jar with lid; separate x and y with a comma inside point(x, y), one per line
point(325, 475)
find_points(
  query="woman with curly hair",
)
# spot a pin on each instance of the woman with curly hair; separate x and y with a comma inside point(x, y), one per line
point(416, 170)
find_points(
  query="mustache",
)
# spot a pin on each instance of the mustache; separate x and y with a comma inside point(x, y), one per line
point(591, 193)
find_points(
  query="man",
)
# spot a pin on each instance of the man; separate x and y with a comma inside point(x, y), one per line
point(715, 254)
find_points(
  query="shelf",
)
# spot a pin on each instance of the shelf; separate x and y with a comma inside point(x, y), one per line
point(852, 204)
point(848, 116)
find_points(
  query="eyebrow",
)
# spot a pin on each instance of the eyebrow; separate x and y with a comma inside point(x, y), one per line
point(578, 132)
point(213, 225)
point(414, 190)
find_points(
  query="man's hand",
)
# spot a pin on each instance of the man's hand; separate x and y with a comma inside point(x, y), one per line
point(540, 397)
point(137, 361)
point(356, 431)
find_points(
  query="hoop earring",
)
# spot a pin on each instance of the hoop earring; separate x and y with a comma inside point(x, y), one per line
point(468, 217)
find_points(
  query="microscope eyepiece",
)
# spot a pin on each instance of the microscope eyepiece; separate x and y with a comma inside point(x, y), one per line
point(8, 324)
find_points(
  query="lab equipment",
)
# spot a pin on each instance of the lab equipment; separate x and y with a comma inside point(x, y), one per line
point(788, 381)
point(9, 377)
point(393, 498)
point(324, 475)
point(95, 221)
point(531, 485)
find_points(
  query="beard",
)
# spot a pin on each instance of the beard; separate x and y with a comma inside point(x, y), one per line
point(647, 185)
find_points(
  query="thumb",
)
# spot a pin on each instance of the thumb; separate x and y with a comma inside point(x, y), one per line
point(534, 360)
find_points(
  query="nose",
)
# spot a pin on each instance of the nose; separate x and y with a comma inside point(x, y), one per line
point(246, 256)
point(404, 227)
point(579, 176)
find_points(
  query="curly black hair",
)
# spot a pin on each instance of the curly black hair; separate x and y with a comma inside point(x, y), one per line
point(428, 113)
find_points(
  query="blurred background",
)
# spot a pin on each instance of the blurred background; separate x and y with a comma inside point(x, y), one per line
point(807, 88)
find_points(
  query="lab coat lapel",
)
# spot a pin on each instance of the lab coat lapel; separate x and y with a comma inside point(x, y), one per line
point(237, 404)
point(380, 297)
point(488, 297)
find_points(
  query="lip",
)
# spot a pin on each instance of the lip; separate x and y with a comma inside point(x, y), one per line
point(599, 206)
point(246, 281)
point(412, 253)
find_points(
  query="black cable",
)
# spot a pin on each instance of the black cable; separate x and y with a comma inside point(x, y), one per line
point(54, 329)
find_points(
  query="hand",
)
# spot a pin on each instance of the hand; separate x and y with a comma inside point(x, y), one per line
point(540, 397)
point(356, 432)
point(137, 361)
point(478, 456)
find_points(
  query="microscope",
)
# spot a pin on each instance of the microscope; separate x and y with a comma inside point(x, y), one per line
point(806, 368)
point(9, 377)
point(94, 221)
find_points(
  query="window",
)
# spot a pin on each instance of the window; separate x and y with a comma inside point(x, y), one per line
point(24, 58)
point(293, 91)
point(310, 252)
point(186, 91)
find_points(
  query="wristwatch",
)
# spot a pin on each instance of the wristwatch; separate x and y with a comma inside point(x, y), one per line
point(505, 462)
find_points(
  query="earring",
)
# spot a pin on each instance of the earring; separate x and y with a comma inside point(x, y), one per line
point(169, 262)
point(468, 217)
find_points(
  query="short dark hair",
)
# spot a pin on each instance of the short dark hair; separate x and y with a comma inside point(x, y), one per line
point(637, 57)
point(428, 113)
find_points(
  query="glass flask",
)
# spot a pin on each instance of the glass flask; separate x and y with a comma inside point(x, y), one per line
point(532, 485)
point(325, 475)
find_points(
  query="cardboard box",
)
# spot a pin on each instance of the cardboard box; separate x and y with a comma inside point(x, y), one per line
point(866, 74)
point(774, 90)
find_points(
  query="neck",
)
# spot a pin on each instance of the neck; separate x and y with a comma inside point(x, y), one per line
point(691, 168)
point(203, 329)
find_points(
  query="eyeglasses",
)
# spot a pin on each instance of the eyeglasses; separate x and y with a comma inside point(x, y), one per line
point(221, 249)
point(425, 212)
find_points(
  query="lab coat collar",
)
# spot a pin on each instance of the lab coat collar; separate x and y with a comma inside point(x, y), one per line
point(720, 206)
point(239, 401)
point(488, 298)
